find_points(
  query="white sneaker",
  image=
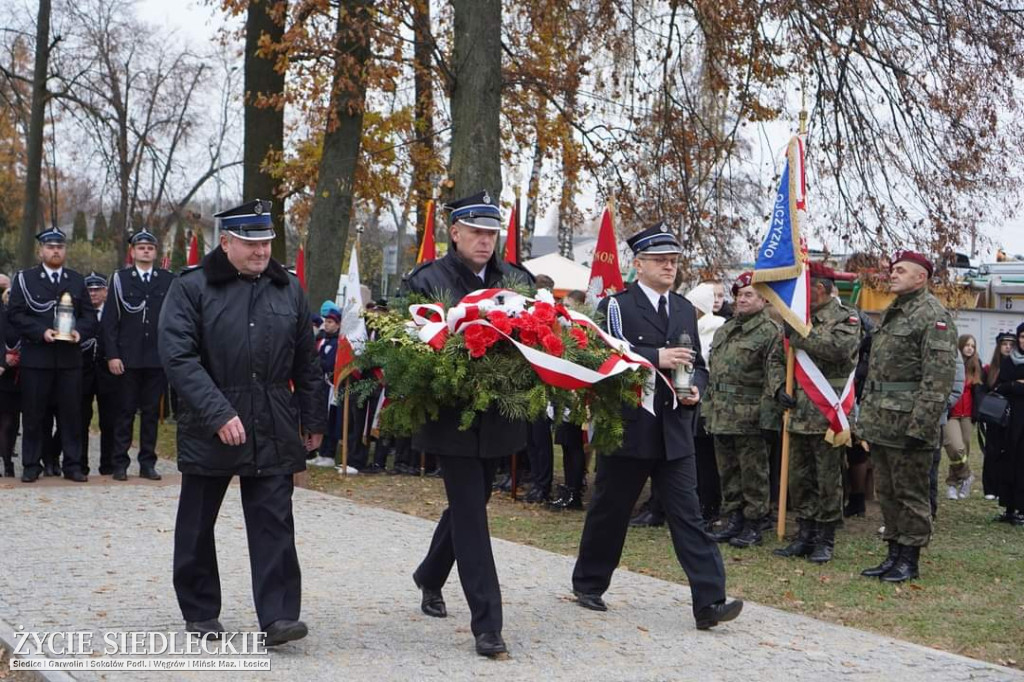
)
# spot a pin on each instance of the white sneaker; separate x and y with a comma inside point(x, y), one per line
point(952, 493)
point(990, 497)
point(322, 462)
point(349, 471)
point(965, 487)
point(881, 530)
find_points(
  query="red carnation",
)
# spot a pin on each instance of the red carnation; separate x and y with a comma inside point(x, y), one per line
point(579, 336)
point(475, 341)
point(544, 312)
point(500, 321)
point(553, 344)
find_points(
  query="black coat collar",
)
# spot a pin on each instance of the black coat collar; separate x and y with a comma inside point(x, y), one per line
point(219, 270)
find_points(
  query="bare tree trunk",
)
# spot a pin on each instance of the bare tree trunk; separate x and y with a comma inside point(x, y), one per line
point(332, 203)
point(570, 172)
point(34, 148)
point(476, 98)
point(264, 125)
point(532, 192)
point(422, 152)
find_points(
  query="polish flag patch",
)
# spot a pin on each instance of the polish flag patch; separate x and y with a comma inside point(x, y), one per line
point(941, 326)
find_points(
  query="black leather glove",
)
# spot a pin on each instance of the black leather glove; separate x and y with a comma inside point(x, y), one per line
point(785, 399)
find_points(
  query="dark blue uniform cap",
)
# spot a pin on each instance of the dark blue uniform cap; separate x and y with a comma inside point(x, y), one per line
point(250, 221)
point(52, 236)
point(475, 211)
point(143, 236)
point(655, 239)
point(94, 281)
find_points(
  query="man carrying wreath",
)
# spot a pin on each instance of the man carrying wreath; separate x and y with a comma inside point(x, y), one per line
point(468, 458)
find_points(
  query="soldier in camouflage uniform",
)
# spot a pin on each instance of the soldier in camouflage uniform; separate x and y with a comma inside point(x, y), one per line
point(815, 466)
point(910, 374)
point(746, 361)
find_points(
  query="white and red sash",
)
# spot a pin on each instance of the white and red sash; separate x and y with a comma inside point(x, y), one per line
point(835, 408)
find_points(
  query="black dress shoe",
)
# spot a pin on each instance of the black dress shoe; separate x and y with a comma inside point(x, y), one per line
point(432, 603)
point(490, 644)
point(50, 470)
point(120, 475)
point(150, 473)
point(284, 631)
point(77, 477)
point(536, 496)
point(211, 627)
point(26, 477)
point(719, 612)
point(647, 519)
point(590, 601)
point(8, 469)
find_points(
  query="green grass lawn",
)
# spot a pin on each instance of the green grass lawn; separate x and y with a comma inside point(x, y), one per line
point(970, 599)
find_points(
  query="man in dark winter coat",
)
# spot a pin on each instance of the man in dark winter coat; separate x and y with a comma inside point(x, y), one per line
point(468, 458)
point(236, 346)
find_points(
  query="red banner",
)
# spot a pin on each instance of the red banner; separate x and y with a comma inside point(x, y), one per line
point(605, 275)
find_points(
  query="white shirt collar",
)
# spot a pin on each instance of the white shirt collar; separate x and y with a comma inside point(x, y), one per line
point(653, 296)
point(49, 272)
point(143, 271)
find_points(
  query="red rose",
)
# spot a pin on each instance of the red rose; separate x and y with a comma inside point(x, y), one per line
point(553, 344)
point(579, 336)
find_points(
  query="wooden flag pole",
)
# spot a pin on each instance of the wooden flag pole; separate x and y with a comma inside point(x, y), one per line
point(423, 464)
point(784, 466)
point(344, 433)
point(513, 477)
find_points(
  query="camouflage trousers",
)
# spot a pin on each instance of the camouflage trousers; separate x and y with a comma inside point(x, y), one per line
point(902, 484)
point(815, 478)
point(743, 469)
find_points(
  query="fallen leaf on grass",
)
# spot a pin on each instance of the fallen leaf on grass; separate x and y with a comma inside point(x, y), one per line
point(783, 580)
point(799, 571)
point(824, 579)
point(829, 605)
point(916, 587)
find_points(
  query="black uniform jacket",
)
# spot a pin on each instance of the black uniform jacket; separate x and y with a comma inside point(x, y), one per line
point(241, 346)
point(668, 433)
point(30, 324)
point(94, 360)
point(448, 280)
point(132, 336)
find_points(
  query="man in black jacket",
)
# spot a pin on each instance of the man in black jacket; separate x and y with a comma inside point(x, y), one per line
point(660, 445)
point(99, 384)
point(132, 351)
point(51, 368)
point(234, 339)
point(468, 458)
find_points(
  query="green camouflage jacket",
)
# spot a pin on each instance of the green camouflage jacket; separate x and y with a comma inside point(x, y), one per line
point(910, 373)
point(746, 360)
point(832, 344)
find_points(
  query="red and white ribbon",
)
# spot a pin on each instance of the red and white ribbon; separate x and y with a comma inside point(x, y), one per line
point(835, 408)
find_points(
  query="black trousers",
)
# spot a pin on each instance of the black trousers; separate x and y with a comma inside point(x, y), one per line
point(541, 452)
point(709, 486)
point(462, 536)
point(270, 529)
point(108, 405)
point(616, 488)
point(141, 389)
point(574, 459)
point(39, 389)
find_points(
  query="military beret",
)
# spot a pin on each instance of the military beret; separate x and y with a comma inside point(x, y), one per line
point(744, 280)
point(912, 257)
point(655, 239)
point(250, 221)
point(51, 236)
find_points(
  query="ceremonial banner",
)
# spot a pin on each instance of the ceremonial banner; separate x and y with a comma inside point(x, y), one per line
point(512, 237)
point(428, 251)
point(352, 334)
point(300, 266)
point(779, 272)
point(835, 408)
point(193, 251)
point(605, 275)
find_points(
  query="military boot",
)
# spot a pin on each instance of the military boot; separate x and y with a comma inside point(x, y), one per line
point(732, 528)
point(803, 543)
point(568, 498)
point(824, 543)
point(887, 563)
point(749, 536)
point(905, 567)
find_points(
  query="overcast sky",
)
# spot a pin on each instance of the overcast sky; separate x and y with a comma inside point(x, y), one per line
point(199, 23)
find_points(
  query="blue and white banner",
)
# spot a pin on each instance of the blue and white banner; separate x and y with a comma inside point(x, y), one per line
point(779, 271)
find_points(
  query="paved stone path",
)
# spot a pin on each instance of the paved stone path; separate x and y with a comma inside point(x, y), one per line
point(97, 556)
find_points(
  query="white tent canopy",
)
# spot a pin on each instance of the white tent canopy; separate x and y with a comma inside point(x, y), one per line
point(566, 273)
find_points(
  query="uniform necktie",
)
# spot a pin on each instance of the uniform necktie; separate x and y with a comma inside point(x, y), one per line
point(145, 278)
point(663, 309)
point(56, 277)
